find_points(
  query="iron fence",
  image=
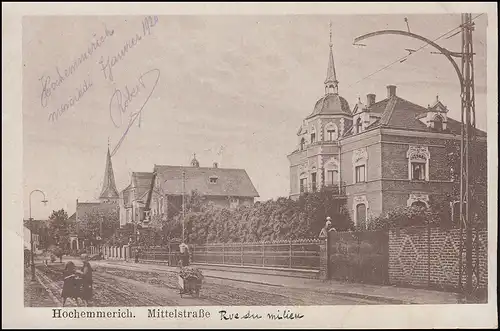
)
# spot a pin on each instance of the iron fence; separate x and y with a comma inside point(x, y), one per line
point(295, 254)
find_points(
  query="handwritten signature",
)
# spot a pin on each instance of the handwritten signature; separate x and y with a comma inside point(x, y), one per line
point(121, 101)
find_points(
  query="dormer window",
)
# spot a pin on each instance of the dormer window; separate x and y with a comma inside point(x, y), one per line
point(438, 123)
point(302, 143)
point(213, 179)
point(359, 125)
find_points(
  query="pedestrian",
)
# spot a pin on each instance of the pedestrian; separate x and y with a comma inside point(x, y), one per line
point(184, 254)
point(71, 286)
point(87, 283)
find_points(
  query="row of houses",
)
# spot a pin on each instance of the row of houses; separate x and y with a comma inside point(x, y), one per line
point(379, 155)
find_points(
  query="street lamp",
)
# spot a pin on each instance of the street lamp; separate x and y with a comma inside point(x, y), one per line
point(33, 278)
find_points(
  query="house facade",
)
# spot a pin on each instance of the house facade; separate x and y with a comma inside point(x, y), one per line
point(223, 187)
point(380, 155)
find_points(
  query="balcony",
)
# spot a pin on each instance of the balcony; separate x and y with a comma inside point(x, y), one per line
point(335, 189)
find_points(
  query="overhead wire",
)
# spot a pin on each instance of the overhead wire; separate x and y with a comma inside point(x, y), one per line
point(402, 59)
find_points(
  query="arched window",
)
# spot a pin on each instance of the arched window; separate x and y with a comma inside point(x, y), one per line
point(303, 182)
point(302, 143)
point(359, 126)
point(438, 123)
point(313, 135)
point(331, 132)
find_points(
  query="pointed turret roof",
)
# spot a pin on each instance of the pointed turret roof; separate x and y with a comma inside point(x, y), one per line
point(331, 75)
point(109, 190)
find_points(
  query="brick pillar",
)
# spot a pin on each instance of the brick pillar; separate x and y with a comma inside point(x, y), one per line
point(324, 258)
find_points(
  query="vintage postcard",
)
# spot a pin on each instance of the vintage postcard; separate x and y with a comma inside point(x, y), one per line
point(249, 165)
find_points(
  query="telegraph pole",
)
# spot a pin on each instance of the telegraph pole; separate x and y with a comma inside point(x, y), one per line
point(468, 113)
point(465, 76)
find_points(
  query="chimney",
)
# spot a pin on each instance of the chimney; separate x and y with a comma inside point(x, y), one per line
point(370, 99)
point(216, 165)
point(391, 91)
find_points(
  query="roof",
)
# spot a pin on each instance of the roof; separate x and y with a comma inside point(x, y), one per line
point(398, 113)
point(109, 186)
point(229, 182)
point(86, 207)
point(331, 104)
point(141, 182)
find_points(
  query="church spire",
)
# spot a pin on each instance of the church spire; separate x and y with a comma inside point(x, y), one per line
point(331, 83)
point(109, 190)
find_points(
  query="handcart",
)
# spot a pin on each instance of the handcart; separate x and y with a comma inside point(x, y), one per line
point(190, 285)
point(190, 280)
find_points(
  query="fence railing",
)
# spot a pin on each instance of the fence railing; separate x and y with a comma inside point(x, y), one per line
point(295, 254)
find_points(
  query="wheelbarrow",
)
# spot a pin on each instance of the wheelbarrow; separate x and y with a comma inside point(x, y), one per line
point(189, 285)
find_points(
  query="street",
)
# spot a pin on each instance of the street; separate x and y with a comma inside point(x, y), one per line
point(126, 285)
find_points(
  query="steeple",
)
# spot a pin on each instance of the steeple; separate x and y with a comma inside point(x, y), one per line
point(331, 83)
point(194, 162)
point(109, 190)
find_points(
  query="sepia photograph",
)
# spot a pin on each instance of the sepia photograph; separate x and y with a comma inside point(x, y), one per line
point(280, 161)
point(255, 160)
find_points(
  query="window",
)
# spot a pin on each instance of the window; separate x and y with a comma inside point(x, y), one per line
point(418, 162)
point(313, 138)
point(233, 203)
point(313, 181)
point(417, 171)
point(302, 143)
point(438, 123)
point(213, 180)
point(359, 126)
point(331, 134)
point(360, 173)
point(303, 185)
point(331, 177)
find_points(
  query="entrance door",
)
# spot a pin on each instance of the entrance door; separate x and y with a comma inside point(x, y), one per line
point(361, 215)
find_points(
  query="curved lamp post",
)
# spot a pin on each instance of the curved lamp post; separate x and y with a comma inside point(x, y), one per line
point(448, 54)
point(465, 77)
point(33, 278)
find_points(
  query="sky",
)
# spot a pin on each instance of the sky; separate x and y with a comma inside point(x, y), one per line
point(232, 89)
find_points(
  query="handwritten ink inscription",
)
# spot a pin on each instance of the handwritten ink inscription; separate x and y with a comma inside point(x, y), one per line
point(51, 83)
point(279, 315)
point(123, 98)
point(108, 63)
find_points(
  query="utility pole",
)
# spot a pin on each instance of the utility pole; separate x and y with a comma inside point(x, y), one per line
point(183, 203)
point(465, 76)
point(468, 114)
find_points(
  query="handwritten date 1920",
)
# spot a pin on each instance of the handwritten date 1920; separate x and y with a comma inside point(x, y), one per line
point(122, 99)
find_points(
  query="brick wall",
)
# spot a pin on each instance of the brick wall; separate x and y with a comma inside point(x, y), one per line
point(429, 257)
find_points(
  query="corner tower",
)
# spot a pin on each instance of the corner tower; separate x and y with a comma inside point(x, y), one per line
point(315, 163)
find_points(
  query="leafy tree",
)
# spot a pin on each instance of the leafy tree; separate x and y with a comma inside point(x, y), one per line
point(91, 223)
point(404, 217)
point(59, 228)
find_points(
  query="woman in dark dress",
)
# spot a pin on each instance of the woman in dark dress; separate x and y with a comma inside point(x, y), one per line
point(71, 286)
point(86, 276)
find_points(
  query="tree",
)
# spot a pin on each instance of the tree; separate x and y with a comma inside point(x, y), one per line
point(92, 222)
point(405, 217)
point(59, 228)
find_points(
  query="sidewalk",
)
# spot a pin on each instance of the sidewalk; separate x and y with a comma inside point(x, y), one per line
point(385, 294)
